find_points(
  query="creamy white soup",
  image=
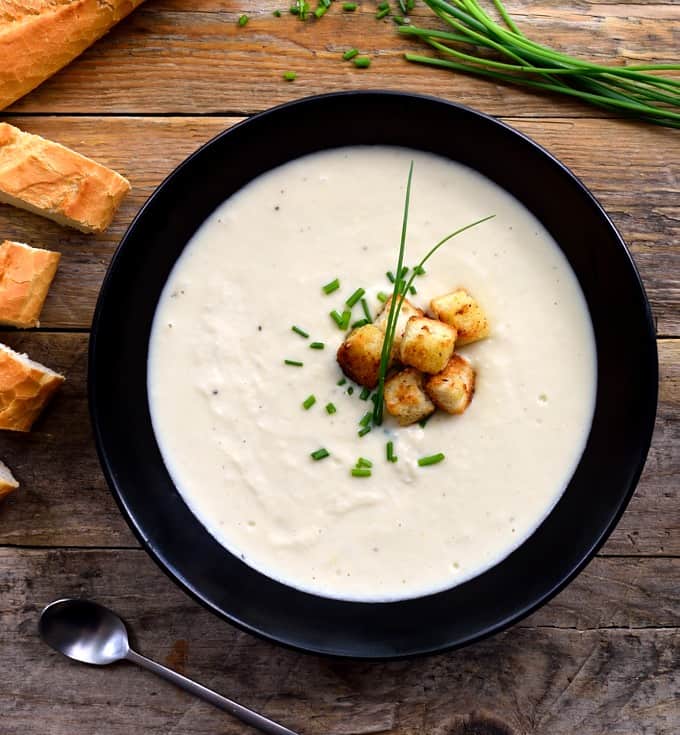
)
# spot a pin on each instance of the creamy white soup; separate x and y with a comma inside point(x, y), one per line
point(227, 411)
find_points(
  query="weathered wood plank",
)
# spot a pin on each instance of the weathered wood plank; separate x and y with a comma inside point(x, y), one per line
point(173, 56)
point(64, 500)
point(642, 196)
point(531, 680)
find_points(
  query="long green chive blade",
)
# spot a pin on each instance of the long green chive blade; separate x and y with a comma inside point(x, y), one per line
point(308, 402)
point(366, 420)
point(363, 462)
point(243, 19)
point(299, 331)
point(362, 62)
point(367, 311)
point(342, 381)
point(355, 297)
point(364, 431)
point(295, 363)
point(360, 323)
point(290, 76)
point(320, 454)
point(334, 285)
point(432, 459)
point(331, 409)
point(360, 472)
point(350, 54)
point(316, 346)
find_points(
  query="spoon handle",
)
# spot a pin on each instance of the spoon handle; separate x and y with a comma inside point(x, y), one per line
point(237, 710)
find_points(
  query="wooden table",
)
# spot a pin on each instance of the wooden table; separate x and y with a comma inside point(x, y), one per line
point(603, 657)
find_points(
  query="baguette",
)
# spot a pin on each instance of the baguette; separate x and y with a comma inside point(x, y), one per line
point(25, 388)
point(7, 481)
point(25, 277)
point(39, 37)
point(48, 179)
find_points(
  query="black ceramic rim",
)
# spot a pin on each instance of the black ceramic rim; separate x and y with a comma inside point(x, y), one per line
point(601, 486)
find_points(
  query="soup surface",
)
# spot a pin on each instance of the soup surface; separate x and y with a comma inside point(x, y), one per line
point(227, 411)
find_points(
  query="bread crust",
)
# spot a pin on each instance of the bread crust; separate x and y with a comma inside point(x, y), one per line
point(25, 388)
point(39, 37)
point(7, 482)
point(46, 178)
point(25, 277)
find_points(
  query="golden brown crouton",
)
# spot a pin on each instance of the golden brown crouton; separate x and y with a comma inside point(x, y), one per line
point(453, 388)
point(427, 344)
point(461, 311)
point(359, 355)
point(405, 398)
point(407, 311)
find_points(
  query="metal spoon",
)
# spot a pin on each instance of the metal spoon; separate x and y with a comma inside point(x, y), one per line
point(93, 634)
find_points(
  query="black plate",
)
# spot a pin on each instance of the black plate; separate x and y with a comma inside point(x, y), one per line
point(602, 484)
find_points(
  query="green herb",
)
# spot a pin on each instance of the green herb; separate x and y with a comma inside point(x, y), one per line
point(360, 472)
point(367, 311)
point(365, 393)
point(308, 402)
point(419, 270)
point(355, 297)
point(390, 276)
point(290, 76)
point(400, 20)
point(334, 285)
point(364, 431)
point(350, 54)
point(389, 451)
point(381, 296)
point(362, 62)
point(300, 8)
point(320, 11)
point(432, 459)
point(398, 295)
point(360, 323)
point(346, 316)
point(630, 89)
point(320, 454)
point(336, 316)
point(296, 363)
point(412, 290)
point(349, 7)
point(331, 409)
point(383, 5)
point(342, 381)
point(243, 20)
point(382, 13)
point(316, 346)
point(423, 422)
point(277, 13)
point(350, 390)
point(299, 331)
point(366, 420)
point(363, 462)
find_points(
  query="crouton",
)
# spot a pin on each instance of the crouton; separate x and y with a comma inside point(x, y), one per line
point(359, 355)
point(7, 481)
point(405, 398)
point(453, 388)
point(407, 311)
point(460, 310)
point(427, 344)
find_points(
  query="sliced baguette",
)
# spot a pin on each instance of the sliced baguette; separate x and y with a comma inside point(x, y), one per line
point(7, 481)
point(48, 179)
point(25, 277)
point(25, 388)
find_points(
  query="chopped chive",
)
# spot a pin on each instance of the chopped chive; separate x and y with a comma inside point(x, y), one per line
point(366, 420)
point(290, 76)
point(362, 62)
point(299, 331)
point(432, 459)
point(342, 381)
point(382, 13)
point(374, 398)
point(320, 11)
point(334, 285)
point(390, 275)
point(296, 363)
point(403, 272)
point(350, 390)
point(336, 317)
point(330, 409)
point(308, 402)
point(382, 297)
point(364, 431)
point(383, 5)
point(349, 7)
point(412, 290)
point(350, 54)
point(277, 13)
point(346, 316)
point(424, 421)
point(243, 20)
point(399, 20)
point(367, 312)
point(360, 472)
point(391, 456)
point(365, 393)
point(355, 297)
point(419, 270)
point(320, 454)
point(316, 346)
point(294, 10)
point(360, 323)
point(363, 462)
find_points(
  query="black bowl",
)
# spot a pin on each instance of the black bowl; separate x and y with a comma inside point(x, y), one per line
point(602, 483)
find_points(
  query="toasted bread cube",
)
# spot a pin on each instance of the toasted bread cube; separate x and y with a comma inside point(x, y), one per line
point(407, 311)
point(359, 355)
point(427, 344)
point(460, 310)
point(405, 398)
point(453, 388)
point(7, 481)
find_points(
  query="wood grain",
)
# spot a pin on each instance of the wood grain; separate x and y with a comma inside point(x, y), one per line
point(639, 186)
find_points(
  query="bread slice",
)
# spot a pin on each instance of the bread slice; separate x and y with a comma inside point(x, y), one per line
point(48, 179)
point(25, 388)
point(39, 37)
point(25, 277)
point(7, 481)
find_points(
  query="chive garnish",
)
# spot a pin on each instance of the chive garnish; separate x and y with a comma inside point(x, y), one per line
point(382, 13)
point(391, 456)
point(277, 13)
point(290, 76)
point(350, 390)
point(355, 297)
point(365, 393)
point(412, 290)
point(383, 5)
point(363, 462)
point(308, 402)
point(320, 454)
point(360, 472)
point(367, 311)
point(346, 316)
point(316, 346)
point(419, 270)
point(342, 381)
point(362, 62)
point(381, 296)
point(432, 459)
point(334, 285)
point(330, 409)
point(364, 431)
point(299, 331)
point(360, 323)
point(336, 317)
point(424, 421)
point(320, 11)
point(366, 420)
point(349, 7)
point(390, 276)
point(243, 20)
point(296, 363)
point(350, 54)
